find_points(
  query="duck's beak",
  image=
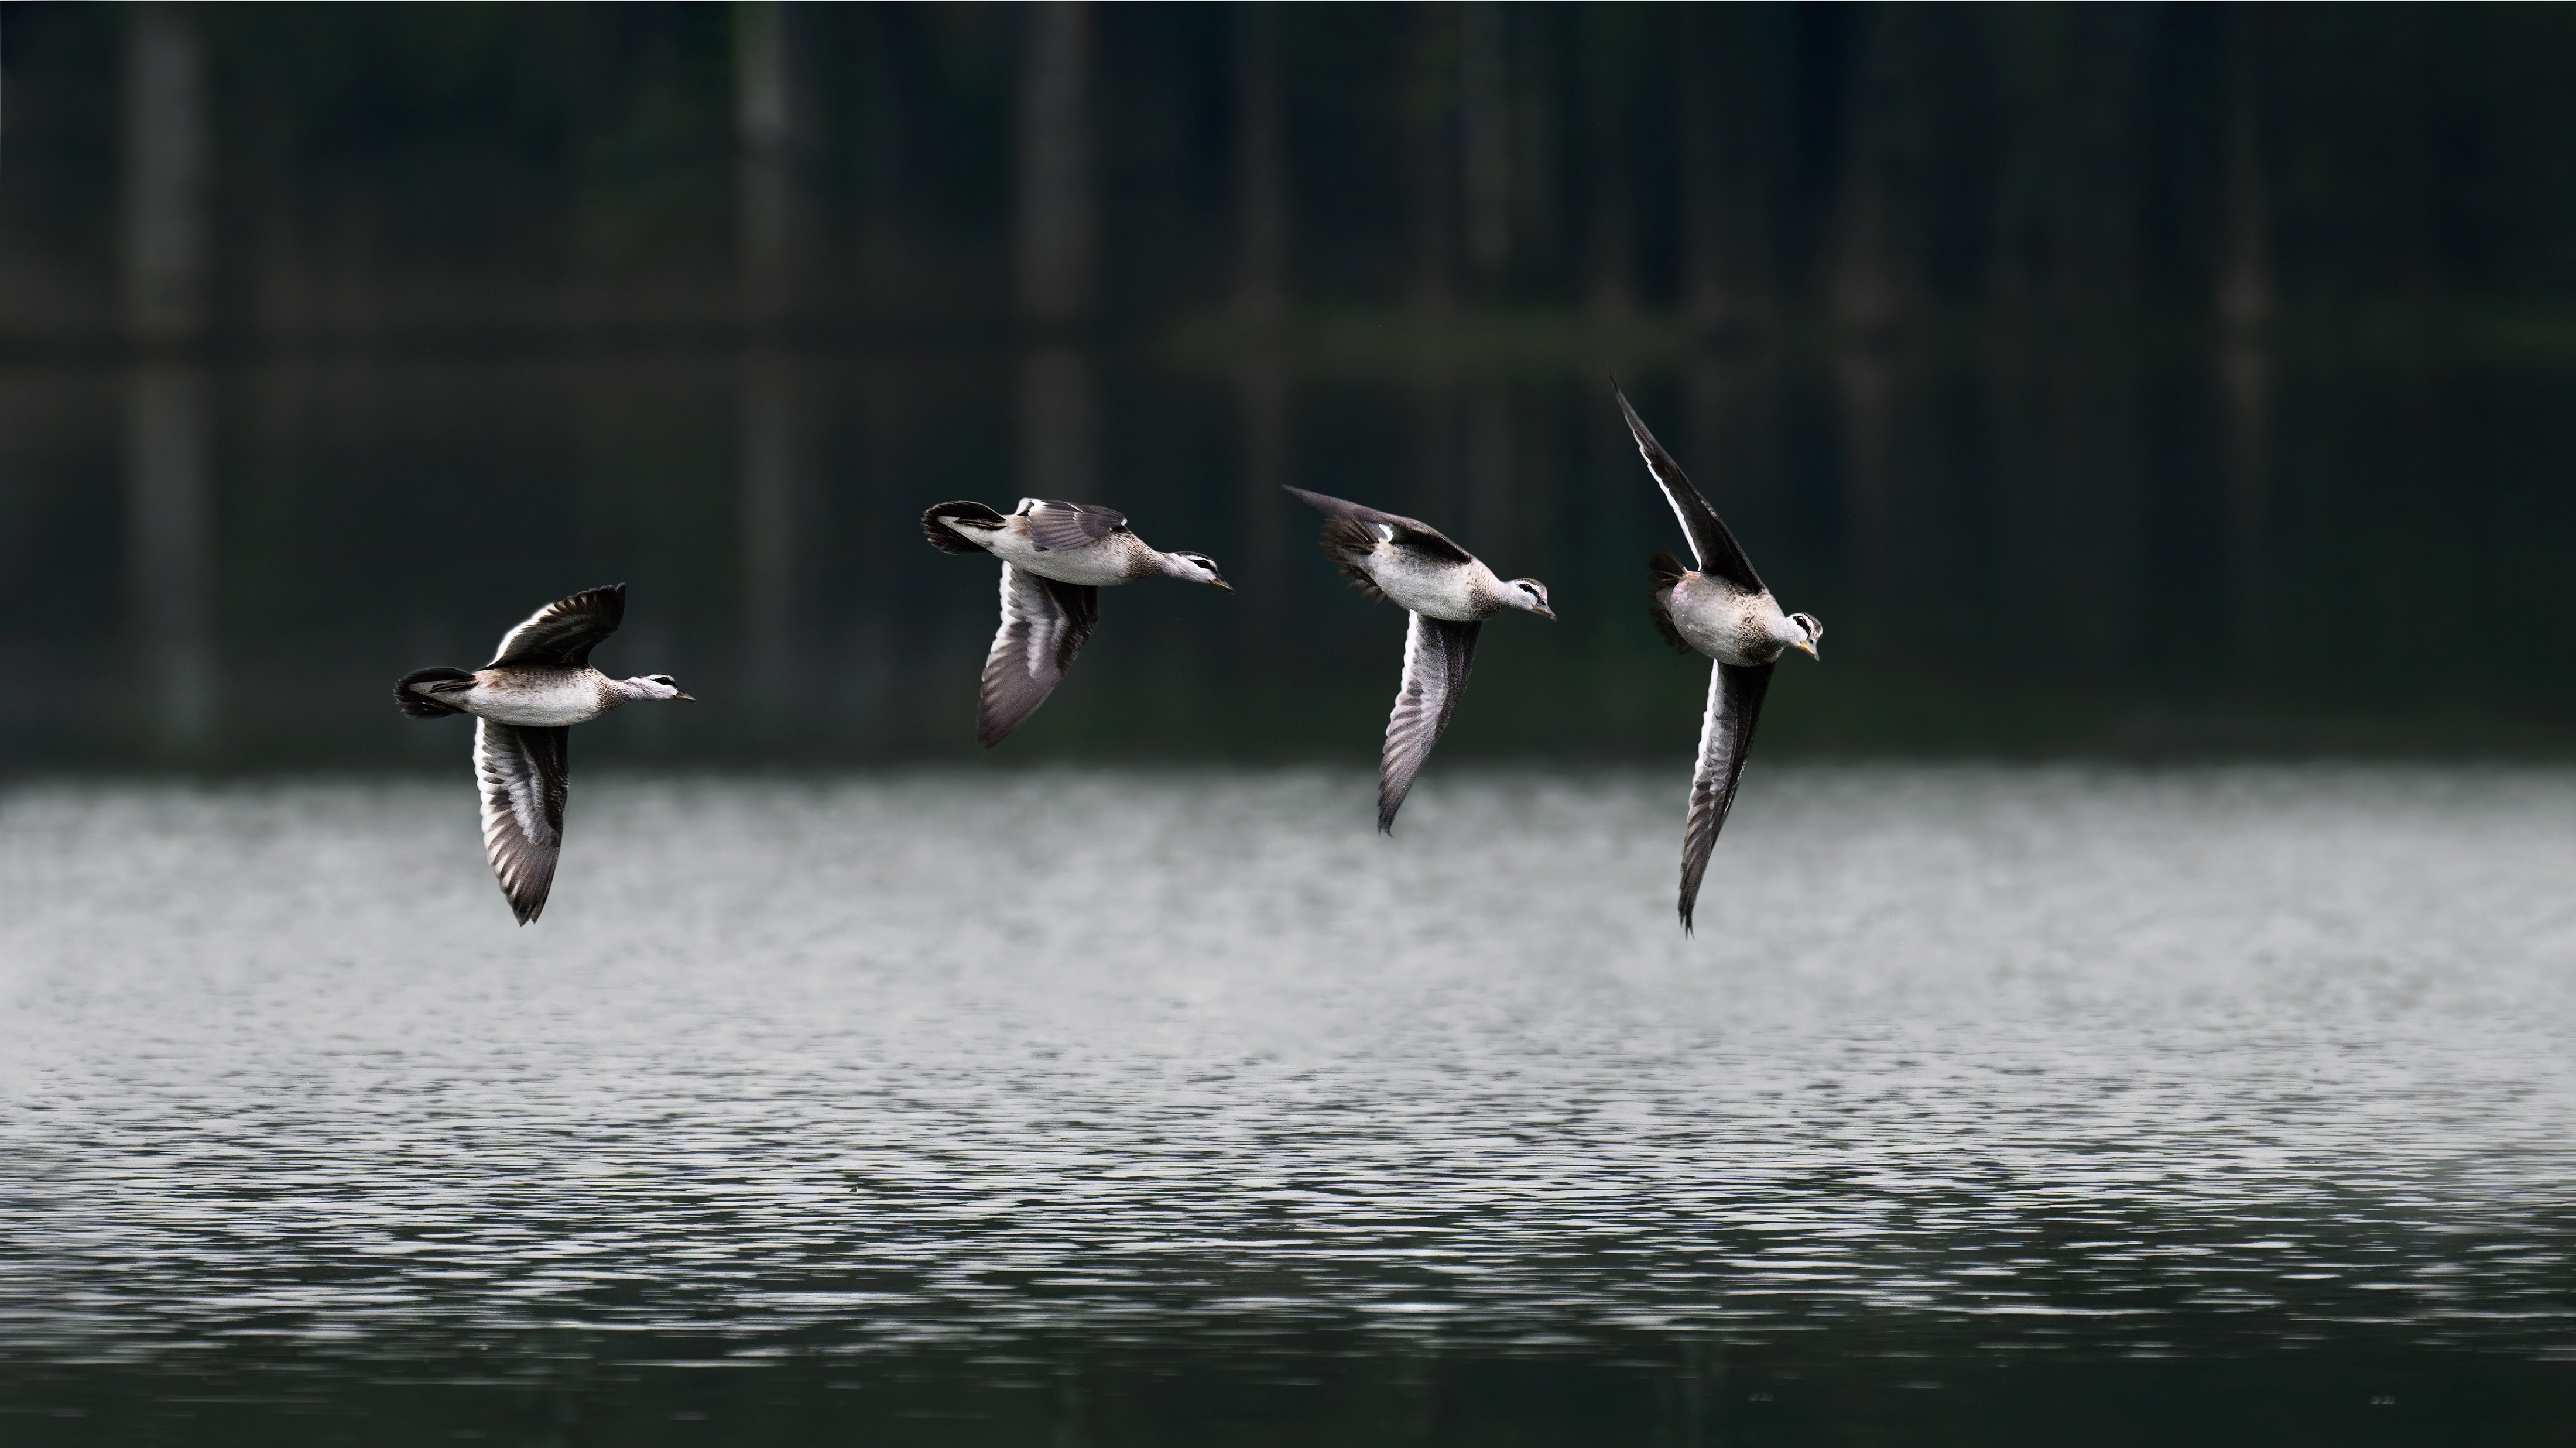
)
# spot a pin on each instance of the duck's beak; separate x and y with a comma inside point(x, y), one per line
point(1221, 583)
point(1810, 647)
point(685, 698)
point(1545, 612)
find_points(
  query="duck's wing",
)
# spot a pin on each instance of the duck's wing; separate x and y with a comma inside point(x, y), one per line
point(1716, 548)
point(1403, 532)
point(1054, 527)
point(563, 632)
point(1725, 738)
point(1044, 624)
point(525, 774)
point(1437, 655)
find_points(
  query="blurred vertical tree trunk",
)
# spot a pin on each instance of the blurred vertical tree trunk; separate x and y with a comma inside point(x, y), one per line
point(1725, 74)
point(1261, 167)
point(1485, 172)
point(169, 482)
point(1431, 163)
point(1058, 206)
point(1058, 227)
point(2245, 302)
point(168, 165)
point(170, 544)
point(766, 119)
point(767, 114)
point(1536, 73)
point(774, 461)
point(1485, 137)
point(1487, 449)
point(881, 618)
point(883, 141)
point(1870, 299)
point(1606, 229)
point(1261, 298)
point(1867, 289)
point(1610, 230)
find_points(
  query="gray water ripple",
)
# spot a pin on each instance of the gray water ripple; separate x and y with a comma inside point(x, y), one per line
point(2099, 1061)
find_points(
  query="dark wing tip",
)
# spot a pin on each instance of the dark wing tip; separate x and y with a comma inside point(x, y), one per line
point(1644, 437)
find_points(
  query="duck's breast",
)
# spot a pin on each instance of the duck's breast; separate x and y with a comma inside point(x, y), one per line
point(1723, 621)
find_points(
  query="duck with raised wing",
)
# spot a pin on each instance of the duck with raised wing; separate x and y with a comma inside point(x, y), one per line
point(1056, 557)
point(1720, 609)
point(1449, 593)
point(524, 704)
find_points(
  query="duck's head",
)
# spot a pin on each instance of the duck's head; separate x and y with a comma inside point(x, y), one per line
point(1810, 632)
point(656, 686)
point(1528, 594)
point(1197, 568)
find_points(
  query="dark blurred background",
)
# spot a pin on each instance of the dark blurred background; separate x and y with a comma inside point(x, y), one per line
point(2134, 380)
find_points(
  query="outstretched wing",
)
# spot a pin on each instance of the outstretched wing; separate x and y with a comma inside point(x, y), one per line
point(1716, 548)
point(1054, 527)
point(525, 774)
point(1394, 528)
point(1044, 624)
point(1734, 704)
point(564, 631)
point(1437, 655)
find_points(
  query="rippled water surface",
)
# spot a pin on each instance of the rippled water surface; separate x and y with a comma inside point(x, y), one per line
point(1073, 1107)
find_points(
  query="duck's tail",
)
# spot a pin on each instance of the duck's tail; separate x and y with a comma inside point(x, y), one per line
point(421, 706)
point(945, 538)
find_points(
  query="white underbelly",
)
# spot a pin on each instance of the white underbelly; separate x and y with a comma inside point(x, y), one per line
point(1092, 564)
point(534, 708)
point(1445, 593)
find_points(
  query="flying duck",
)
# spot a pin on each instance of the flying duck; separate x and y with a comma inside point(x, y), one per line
point(1720, 609)
point(1056, 557)
point(1449, 593)
point(524, 704)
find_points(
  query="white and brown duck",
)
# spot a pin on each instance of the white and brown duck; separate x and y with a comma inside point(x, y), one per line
point(1056, 557)
point(1449, 593)
point(1720, 609)
point(524, 704)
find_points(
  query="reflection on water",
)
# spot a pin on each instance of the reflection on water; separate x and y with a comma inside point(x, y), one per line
point(1156, 1107)
point(2040, 545)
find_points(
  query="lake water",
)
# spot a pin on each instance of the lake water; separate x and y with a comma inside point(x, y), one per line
point(1991, 1105)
